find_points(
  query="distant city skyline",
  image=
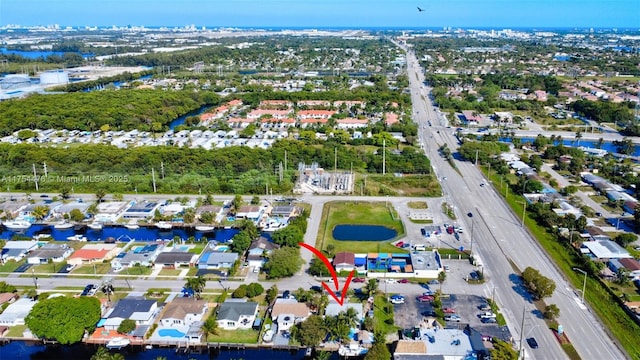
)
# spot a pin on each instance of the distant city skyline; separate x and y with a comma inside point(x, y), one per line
point(324, 13)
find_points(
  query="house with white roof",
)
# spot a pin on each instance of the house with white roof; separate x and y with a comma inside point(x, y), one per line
point(15, 313)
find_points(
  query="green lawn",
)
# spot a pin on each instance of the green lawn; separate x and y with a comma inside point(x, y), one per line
point(100, 268)
point(11, 265)
point(170, 272)
point(383, 315)
point(359, 213)
point(235, 336)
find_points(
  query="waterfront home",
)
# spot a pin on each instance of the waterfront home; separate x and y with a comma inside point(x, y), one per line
point(93, 253)
point(49, 252)
point(285, 211)
point(258, 249)
point(251, 212)
point(137, 308)
point(17, 250)
point(15, 313)
point(288, 312)
point(236, 314)
point(139, 255)
point(217, 260)
point(59, 211)
point(142, 210)
point(183, 311)
point(333, 308)
point(175, 259)
point(111, 211)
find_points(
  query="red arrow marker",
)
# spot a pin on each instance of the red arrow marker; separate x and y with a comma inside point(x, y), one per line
point(327, 263)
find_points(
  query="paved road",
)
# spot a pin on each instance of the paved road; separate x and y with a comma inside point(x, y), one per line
point(499, 238)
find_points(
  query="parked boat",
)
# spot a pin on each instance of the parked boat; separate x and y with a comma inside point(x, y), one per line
point(163, 225)
point(204, 228)
point(132, 226)
point(63, 225)
point(353, 349)
point(268, 336)
point(17, 225)
point(118, 343)
point(96, 225)
point(77, 237)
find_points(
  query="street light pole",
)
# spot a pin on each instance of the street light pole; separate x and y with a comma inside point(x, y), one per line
point(520, 354)
point(524, 210)
point(524, 184)
point(584, 283)
point(35, 278)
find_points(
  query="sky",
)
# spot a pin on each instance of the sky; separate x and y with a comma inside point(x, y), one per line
point(325, 13)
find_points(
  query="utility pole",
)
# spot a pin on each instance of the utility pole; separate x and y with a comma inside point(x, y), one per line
point(384, 154)
point(35, 176)
point(162, 169)
point(335, 160)
point(285, 161)
point(44, 167)
point(153, 178)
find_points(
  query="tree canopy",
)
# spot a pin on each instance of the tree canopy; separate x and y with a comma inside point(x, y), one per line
point(64, 319)
point(283, 262)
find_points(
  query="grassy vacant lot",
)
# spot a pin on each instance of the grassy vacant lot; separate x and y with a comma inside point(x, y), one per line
point(410, 185)
point(235, 336)
point(383, 315)
point(621, 326)
point(358, 213)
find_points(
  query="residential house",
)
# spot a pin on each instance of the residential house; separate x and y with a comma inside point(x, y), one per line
point(111, 211)
point(7, 298)
point(93, 253)
point(141, 210)
point(258, 249)
point(54, 252)
point(175, 259)
point(217, 260)
point(17, 250)
point(391, 118)
point(233, 314)
point(351, 123)
point(344, 261)
point(138, 309)
point(15, 313)
point(630, 265)
point(251, 212)
point(139, 255)
point(284, 211)
point(183, 311)
point(333, 308)
point(288, 312)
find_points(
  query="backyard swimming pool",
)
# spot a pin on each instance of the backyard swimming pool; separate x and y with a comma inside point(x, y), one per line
point(170, 333)
point(221, 248)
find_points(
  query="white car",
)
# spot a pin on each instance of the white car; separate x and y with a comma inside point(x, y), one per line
point(391, 281)
point(397, 300)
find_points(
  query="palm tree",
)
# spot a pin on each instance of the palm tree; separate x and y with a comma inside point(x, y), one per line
point(578, 136)
point(196, 284)
point(236, 203)
point(371, 287)
point(40, 212)
point(210, 326)
point(100, 194)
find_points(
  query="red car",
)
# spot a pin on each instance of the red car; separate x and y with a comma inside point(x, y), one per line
point(400, 244)
point(449, 310)
point(358, 280)
point(403, 281)
point(425, 298)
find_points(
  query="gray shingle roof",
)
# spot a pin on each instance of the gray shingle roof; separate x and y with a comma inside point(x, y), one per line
point(233, 310)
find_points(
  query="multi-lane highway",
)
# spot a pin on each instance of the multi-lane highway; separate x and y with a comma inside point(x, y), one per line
point(499, 238)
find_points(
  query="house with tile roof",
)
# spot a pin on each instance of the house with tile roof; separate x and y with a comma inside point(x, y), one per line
point(183, 311)
point(344, 261)
point(93, 253)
